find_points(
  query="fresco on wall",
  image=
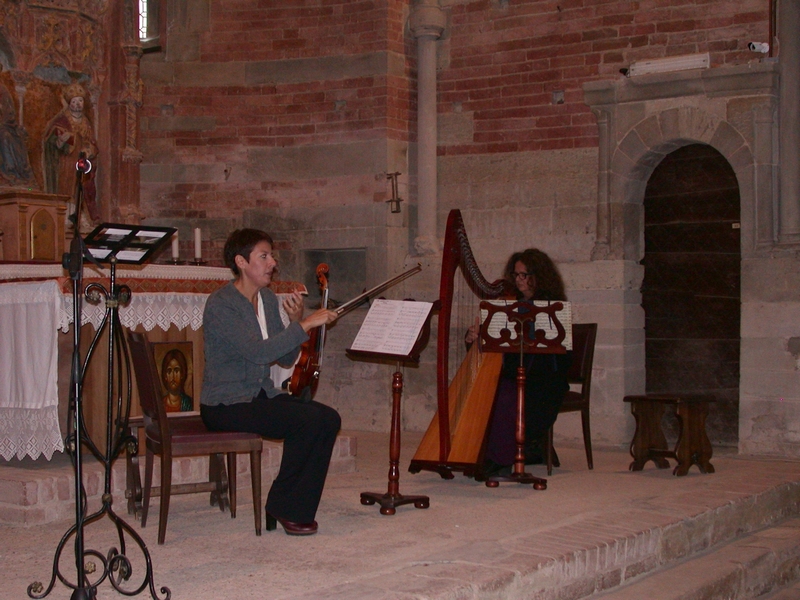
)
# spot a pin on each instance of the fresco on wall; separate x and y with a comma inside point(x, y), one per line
point(15, 168)
point(69, 138)
point(51, 73)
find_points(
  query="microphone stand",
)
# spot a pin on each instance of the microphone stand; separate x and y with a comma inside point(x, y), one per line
point(115, 565)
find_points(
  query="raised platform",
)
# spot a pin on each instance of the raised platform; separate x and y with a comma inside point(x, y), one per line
point(589, 533)
point(40, 492)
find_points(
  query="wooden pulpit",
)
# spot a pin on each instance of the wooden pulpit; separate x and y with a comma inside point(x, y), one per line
point(33, 225)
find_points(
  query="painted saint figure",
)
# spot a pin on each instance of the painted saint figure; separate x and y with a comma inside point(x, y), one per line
point(174, 371)
point(14, 165)
point(68, 135)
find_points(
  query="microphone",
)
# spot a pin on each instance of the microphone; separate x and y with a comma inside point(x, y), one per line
point(84, 165)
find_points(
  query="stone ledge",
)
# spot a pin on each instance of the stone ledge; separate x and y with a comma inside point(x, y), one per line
point(38, 496)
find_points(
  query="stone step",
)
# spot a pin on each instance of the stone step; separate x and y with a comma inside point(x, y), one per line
point(40, 492)
point(790, 592)
point(758, 565)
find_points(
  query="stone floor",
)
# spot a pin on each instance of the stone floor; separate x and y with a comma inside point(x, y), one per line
point(588, 532)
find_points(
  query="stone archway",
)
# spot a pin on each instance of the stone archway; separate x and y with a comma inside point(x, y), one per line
point(640, 121)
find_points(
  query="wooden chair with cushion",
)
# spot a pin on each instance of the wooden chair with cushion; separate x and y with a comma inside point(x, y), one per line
point(580, 372)
point(171, 438)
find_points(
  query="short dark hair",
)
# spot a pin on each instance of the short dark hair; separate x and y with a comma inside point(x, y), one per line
point(547, 282)
point(241, 243)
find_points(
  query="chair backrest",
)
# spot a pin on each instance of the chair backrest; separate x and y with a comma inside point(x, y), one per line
point(148, 383)
point(580, 371)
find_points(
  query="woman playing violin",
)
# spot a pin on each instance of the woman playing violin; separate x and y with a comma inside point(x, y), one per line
point(244, 336)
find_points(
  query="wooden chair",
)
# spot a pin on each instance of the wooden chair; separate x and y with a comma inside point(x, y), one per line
point(171, 438)
point(580, 372)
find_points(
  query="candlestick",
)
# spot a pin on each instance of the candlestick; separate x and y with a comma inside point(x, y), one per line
point(175, 247)
point(198, 253)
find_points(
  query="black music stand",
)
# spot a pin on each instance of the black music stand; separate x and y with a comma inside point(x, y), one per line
point(390, 500)
point(524, 339)
point(110, 243)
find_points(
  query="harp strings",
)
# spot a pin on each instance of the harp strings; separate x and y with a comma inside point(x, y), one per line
point(464, 312)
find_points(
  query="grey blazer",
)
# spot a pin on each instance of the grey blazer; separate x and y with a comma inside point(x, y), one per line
point(237, 358)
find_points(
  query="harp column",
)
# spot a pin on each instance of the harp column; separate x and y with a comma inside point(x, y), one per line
point(427, 22)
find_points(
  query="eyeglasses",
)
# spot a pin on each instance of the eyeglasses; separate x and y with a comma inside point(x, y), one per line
point(520, 275)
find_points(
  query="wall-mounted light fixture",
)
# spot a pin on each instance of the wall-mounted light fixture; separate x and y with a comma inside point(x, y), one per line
point(395, 200)
point(668, 64)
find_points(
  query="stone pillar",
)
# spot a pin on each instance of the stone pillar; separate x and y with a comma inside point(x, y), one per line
point(427, 22)
point(789, 57)
point(602, 244)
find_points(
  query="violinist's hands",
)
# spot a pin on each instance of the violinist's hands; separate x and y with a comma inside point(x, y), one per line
point(473, 332)
point(322, 316)
point(293, 305)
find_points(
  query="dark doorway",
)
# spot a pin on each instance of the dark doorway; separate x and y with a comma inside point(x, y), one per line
point(691, 289)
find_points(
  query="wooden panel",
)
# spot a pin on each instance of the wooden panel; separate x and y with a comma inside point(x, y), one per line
point(18, 209)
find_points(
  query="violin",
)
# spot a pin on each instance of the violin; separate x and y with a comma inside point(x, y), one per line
point(305, 377)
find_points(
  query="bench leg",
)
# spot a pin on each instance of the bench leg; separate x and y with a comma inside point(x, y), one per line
point(693, 445)
point(649, 435)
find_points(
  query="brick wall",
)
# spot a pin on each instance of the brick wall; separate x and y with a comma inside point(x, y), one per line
point(507, 58)
point(503, 66)
point(238, 85)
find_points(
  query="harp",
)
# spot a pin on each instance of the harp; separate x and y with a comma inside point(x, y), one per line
point(455, 437)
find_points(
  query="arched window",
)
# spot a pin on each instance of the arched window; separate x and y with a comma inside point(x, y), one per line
point(149, 25)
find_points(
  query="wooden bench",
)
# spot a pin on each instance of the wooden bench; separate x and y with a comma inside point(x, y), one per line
point(649, 443)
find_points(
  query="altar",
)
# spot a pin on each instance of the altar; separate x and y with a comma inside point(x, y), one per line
point(36, 314)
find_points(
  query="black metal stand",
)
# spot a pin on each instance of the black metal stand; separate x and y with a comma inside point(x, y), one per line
point(114, 565)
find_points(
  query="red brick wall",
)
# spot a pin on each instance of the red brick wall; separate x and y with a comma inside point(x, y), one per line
point(506, 61)
point(322, 112)
point(502, 61)
point(277, 30)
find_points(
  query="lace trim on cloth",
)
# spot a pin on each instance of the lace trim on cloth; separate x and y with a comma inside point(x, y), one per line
point(147, 310)
point(29, 432)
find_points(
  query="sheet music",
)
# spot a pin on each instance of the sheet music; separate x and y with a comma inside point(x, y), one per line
point(392, 326)
point(543, 321)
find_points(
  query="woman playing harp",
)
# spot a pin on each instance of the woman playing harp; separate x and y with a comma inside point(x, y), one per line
point(535, 277)
point(457, 442)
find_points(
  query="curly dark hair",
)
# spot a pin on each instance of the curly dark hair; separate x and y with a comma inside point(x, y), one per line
point(241, 243)
point(543, 277)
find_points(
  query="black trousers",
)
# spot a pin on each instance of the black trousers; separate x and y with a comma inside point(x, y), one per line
point(308, 431)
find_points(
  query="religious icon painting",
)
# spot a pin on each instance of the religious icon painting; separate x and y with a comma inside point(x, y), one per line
point(175, 369)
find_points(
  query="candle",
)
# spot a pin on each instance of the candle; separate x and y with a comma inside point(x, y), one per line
point(175, 248)
point(197, 244)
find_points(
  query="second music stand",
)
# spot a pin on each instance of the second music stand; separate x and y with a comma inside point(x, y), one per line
point(523, 339)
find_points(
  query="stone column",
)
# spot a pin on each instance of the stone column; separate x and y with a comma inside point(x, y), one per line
point(789, 57)
point(427, 22)
point(602, 244)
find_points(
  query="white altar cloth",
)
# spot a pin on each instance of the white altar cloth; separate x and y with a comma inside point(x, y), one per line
point(29, 372)
point(32, 313)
